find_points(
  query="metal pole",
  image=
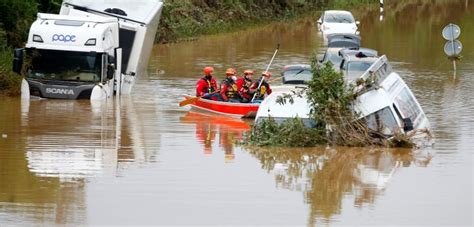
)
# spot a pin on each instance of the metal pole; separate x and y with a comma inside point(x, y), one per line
point(381, 10)
point(454, 50)
point(266, 70)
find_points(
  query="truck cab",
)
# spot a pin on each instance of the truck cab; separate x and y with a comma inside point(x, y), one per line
point(90, 50)
point(68, 56)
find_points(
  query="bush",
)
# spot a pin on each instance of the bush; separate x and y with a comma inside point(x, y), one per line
point(290, 133)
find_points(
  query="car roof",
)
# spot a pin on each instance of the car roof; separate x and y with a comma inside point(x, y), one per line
point(333, 50)
point(353, 58)
point(354, 51)
point(343, 40)
point(296, 66)
point(337, 12)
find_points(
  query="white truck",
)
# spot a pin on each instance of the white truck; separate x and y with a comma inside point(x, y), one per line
point(92, 49)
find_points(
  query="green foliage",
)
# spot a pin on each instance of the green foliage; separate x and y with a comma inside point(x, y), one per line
point(182, 19)
point(290, 133)
point(328, 91)
point(9, 81)
point(16, 18)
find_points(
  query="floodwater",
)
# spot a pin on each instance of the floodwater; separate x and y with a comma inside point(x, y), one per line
point(143, 160)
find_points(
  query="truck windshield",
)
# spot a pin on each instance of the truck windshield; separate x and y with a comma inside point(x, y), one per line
point(64, 65)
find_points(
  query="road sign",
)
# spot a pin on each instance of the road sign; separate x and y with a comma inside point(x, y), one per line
point(453, 48)
point(451, 32)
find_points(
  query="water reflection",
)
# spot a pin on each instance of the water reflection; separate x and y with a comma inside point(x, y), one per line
point(208, 126)
point(57, 148)
point(54, 147)
point(327, 176)
point(28, 191)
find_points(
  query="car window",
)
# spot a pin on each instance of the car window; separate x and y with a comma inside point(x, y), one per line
point(335, 59)
point(338, 18)
point(382, 121)
point(356, 69)
point(407, 106)
point(360, 66)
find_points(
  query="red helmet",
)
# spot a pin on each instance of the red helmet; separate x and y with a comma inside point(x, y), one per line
point(208, 70)
point(248, 72)
point(268, 74)
point(230, 72)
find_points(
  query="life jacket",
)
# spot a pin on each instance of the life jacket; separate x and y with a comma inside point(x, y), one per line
point(210, 85)
point(232, 90)
point(247, 83)
point(263, 89)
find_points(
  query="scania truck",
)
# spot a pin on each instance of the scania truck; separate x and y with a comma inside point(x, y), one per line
point(92, 49)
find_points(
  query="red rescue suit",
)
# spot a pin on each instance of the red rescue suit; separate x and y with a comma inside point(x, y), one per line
point(206, 85)
point(243, 86)
point(229, 89)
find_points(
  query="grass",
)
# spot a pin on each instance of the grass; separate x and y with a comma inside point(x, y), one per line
point(186, 19)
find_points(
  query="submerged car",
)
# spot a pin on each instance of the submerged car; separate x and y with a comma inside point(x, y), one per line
point(336, 43)
point(354, 51)
point(388, 105)
point(353, 65)
point(337, 21)
point(296, 74)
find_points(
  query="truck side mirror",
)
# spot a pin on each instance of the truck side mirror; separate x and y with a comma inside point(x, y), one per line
point(18, 60)
point(319, 21)
point(407, 124)
point(110, 71)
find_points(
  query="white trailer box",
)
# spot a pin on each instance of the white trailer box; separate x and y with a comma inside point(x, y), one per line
point(138, 22)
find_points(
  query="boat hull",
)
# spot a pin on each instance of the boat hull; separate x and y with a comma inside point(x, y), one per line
point(245, 110)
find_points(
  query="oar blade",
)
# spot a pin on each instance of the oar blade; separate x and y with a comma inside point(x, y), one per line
point(188, 101)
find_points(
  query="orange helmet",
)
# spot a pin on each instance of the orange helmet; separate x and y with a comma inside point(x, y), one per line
point(267, 74)
point(208, 70)
point(248, 72)
point(230, 71)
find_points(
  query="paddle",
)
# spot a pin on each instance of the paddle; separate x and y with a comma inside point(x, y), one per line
point(188, 101)
point(194, 99)
point(266, 70)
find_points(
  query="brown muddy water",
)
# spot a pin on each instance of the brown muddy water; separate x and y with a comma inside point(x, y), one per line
point(142, 160)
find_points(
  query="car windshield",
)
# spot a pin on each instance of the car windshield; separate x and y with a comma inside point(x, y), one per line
point(407, 106)
point(338, 18)
point(332, 57)
point(298, 76)
point(357, 68)
point(64, 65)
point(382, 122)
